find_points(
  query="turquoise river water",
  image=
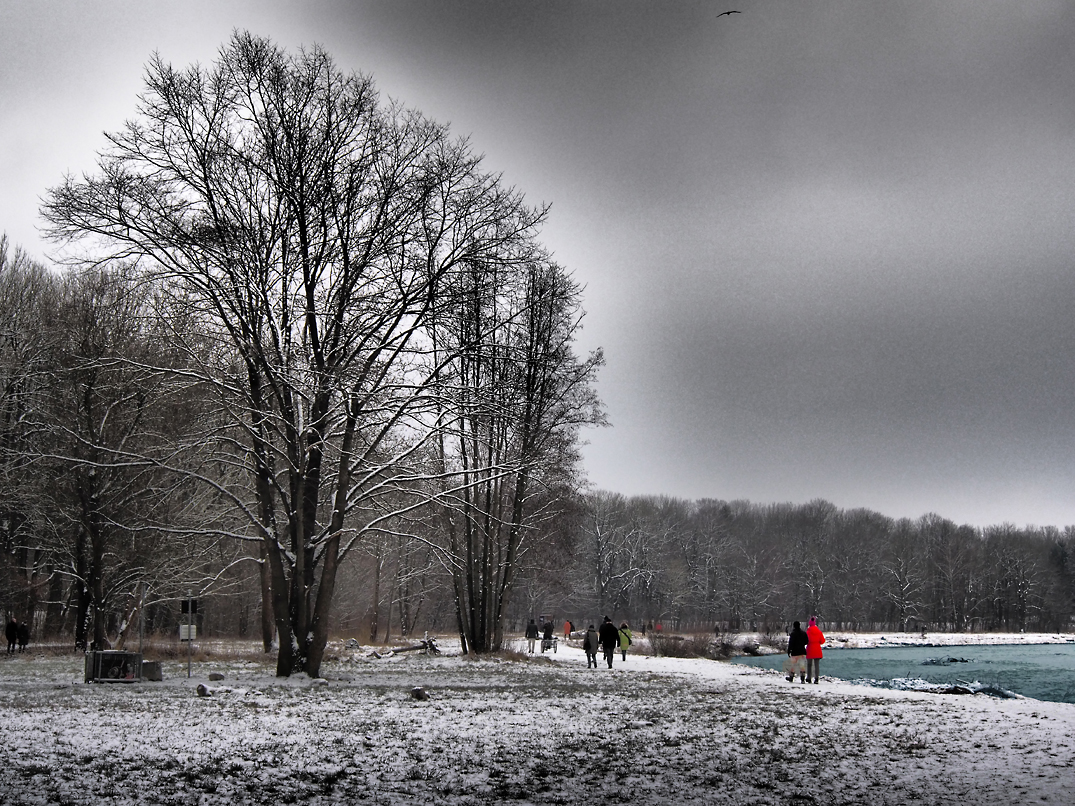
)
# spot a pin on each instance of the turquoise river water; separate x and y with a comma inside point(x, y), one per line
point(1040, 671)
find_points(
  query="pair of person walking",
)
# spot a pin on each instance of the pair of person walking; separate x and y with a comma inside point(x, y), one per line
point(17, 632)
point(804, 652)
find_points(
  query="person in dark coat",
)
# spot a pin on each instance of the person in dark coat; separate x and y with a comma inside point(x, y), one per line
point(11, 633)
point(589, 646)
point(531, 636)
point(24, 635)
point(546, 637)
point(609, 638)
point(796, 654)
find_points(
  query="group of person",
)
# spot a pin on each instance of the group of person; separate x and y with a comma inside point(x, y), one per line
point(16, 633)
point(804, 653)
point(609, 639)
point(544, 633)
point(804, 646)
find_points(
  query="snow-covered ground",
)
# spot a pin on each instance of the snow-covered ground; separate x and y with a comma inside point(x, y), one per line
point(498, 730)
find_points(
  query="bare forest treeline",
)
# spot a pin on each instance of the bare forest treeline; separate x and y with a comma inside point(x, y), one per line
point(735, 565)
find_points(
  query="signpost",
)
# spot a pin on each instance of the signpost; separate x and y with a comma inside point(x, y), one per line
point(189, 631)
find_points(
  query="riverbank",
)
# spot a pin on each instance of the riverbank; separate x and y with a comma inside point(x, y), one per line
point(838, 639)
point(514, 729)
point(761, 643)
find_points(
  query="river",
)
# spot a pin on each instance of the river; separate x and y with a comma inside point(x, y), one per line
point(1039, 671)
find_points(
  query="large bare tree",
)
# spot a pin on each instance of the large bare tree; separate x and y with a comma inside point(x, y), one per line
point(311, 230)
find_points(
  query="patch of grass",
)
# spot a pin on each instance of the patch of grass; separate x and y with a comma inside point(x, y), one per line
point(512, 654)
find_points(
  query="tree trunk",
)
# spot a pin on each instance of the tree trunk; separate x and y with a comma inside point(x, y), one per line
point(268, 628)
point(323, 607)
point(128, 619)
point(54, 608)
point(285, 657)
point(376, 598)
point(81, 591)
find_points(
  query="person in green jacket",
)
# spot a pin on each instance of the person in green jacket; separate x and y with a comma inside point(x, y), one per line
point(625, 639)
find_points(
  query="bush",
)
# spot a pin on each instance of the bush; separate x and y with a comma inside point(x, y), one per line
point(684, 646)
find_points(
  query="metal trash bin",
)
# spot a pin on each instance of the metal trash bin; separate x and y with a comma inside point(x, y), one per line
point(113, 666)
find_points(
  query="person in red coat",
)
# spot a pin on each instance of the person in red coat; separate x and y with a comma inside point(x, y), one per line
point(814, 639)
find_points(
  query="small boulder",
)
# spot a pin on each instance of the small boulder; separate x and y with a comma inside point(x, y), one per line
point(203, 690)
point(216, 676)
point(419, 693)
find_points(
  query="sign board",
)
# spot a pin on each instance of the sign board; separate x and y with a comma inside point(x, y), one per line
point(188, 632)
point(188, 606)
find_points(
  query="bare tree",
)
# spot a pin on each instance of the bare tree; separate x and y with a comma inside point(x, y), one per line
point(116, 411)
point(312, 232)
point(514, 397)
point(28, 298)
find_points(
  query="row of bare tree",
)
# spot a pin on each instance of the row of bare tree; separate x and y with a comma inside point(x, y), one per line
point(736, 565)
point(298, 322)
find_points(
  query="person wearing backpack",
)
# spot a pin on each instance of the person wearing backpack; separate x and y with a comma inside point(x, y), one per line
point(796, 662)
point(625, 639)
point(609, 638)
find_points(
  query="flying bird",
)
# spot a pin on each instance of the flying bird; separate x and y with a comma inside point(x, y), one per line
point(726, 13)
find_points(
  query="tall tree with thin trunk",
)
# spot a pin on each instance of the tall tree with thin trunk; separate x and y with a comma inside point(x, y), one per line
point(518, 396)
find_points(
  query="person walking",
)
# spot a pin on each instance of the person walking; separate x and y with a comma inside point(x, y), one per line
point(609, 637)
point(796, 663)
point(625, 638)
point(814, 639)
point(546, 636)
point(11, 633)
point(531, 636)
point(24, 635)
point(589, 646)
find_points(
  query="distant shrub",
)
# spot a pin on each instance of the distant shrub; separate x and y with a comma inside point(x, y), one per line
point(683, 646)
point(511, 653)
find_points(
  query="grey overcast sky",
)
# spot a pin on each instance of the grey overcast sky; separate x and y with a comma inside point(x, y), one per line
point(828, 246)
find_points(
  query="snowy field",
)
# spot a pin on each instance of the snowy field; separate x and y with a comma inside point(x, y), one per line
point(541, 731)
